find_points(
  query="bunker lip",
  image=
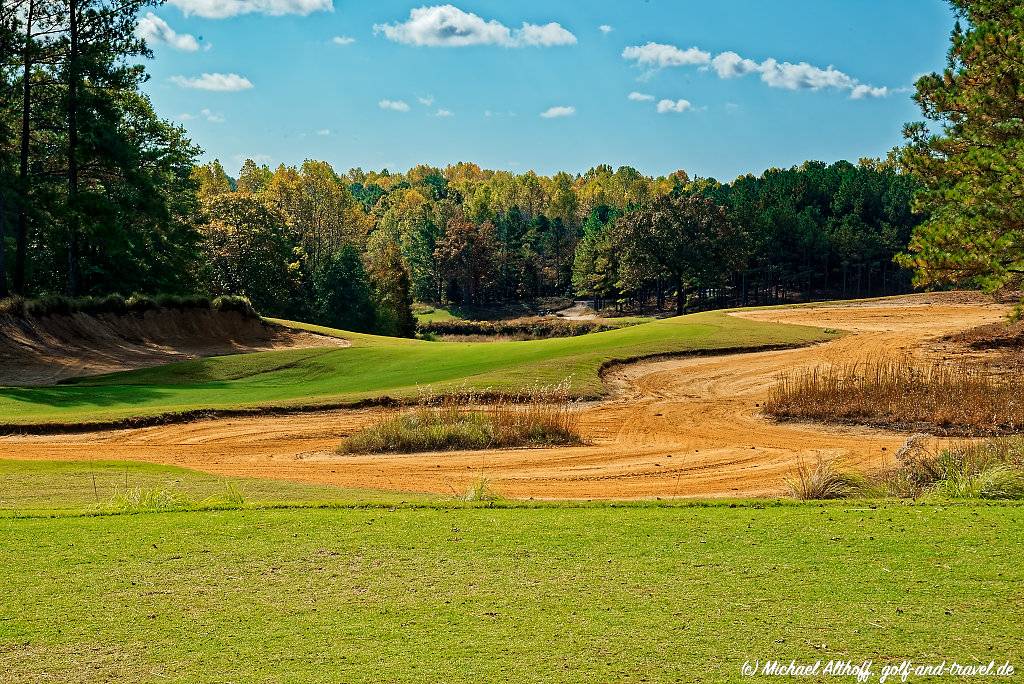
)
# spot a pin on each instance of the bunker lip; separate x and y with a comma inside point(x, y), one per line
point(45, 350)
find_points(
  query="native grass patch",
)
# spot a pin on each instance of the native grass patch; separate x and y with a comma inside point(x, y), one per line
point(466, 420)
point(947, 398)
point(990, 469)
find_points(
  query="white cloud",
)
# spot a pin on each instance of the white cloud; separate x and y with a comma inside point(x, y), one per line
point(803, 76)
point(443, 113)
point(639, 97)
point(216, 82)
point(343, 40)
point(605, 29)
point(659, 55)
point(548, 35)
point(775, 74)
point(394, 105)
point(207, 114)
point(558, 112)
point(449, 26)
point(427, 101)
point(731, 65)
point(324, 131)
point(222, 9)
point(212, 117)
point(153, 29)
point(860, 91)
point(677, 106)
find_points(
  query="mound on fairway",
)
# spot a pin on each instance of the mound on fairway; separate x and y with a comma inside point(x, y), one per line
point(374, 367)
point(42, 350)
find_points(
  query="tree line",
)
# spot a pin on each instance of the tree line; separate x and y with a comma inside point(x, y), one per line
point(96, 191)
point(98, 194)
point(473, 237)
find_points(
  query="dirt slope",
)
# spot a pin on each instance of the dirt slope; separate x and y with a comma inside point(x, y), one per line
point(682, 427)
point(41, 351)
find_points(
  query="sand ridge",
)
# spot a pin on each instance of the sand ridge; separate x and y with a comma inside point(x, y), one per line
point(685, 427)
point(45, 350)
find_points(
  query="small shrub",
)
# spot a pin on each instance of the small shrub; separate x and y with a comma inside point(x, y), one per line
point(12, 306)
point(182, 303)
point(823, 480)
point(112, 304)
point(233, 303)
point(140, 304)
point(535, 327)
point(233, 494)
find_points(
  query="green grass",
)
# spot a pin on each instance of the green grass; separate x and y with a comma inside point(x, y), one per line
point(429, 314)
point(524, 593)
point(376, 366)
point(80, 486)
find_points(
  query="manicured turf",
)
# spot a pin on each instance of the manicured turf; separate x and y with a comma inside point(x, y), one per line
point(96, 486)
point(547, 593)
point(375, 366)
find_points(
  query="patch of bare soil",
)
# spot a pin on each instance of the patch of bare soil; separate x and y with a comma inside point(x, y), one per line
point(999, 346)
point(43, 351)
point(685, 427)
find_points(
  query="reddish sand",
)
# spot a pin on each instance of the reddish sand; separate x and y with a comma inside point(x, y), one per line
point(681, 427)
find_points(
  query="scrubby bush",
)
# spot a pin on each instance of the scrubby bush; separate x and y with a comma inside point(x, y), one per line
point(56, 305)
point(239, 305)
point(530, 327)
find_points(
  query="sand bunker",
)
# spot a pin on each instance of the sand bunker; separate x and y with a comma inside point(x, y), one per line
point(677, 427)
point(45, 350)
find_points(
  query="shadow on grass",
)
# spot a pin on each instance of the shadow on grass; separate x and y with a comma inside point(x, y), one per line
point(100, 396)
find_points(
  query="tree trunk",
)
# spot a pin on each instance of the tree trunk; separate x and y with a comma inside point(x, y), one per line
point(21, 232)
point(72, 219)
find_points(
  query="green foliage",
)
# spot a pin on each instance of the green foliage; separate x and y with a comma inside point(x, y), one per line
point(251, 252)
point(342, 293)
point(58, 305)
point(392, 292)
point(972, 167)
point(684, 235)
point(98, 196)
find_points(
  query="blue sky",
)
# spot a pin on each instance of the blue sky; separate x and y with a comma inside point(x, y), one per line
point(720, 88)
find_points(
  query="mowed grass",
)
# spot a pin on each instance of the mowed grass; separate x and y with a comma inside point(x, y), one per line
point(377, 366)
point(527, 593)
point(88, 486)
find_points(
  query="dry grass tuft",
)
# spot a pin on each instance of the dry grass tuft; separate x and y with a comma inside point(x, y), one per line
point(951, 399)
point(823, 480)
point(450, 423)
